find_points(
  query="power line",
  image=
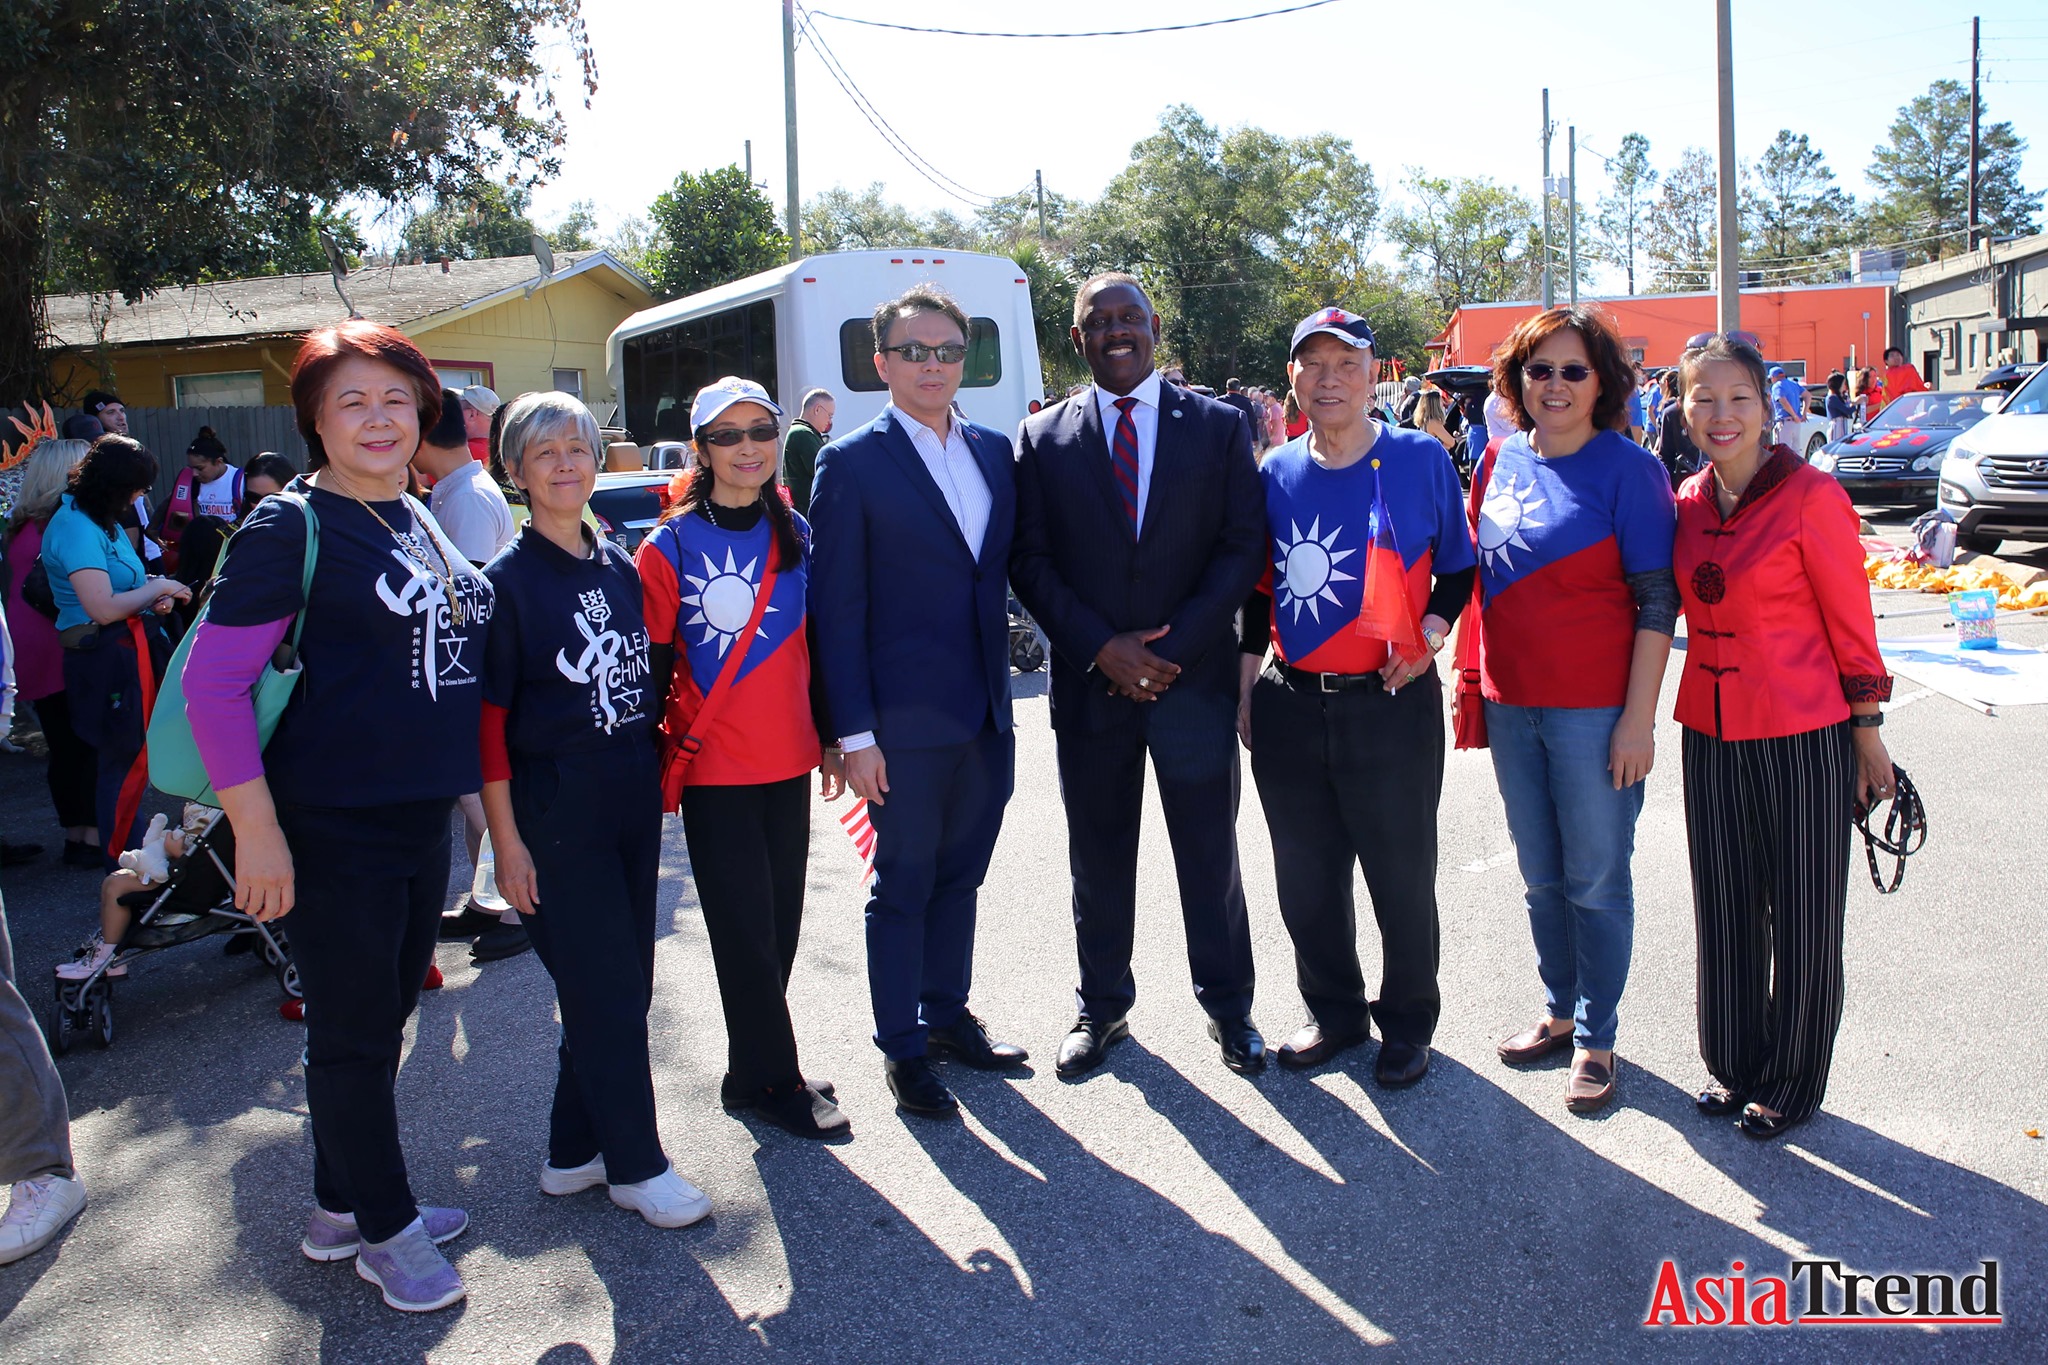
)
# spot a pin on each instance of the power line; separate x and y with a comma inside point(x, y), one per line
point(1096, 33)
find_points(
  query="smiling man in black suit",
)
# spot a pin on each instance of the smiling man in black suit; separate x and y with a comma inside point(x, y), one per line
point(1140, 528)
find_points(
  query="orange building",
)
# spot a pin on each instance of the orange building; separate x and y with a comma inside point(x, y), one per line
point(1809, 329)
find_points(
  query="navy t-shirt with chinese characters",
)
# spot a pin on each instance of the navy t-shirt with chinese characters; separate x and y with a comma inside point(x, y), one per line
point(567, 657)
point(392, 697)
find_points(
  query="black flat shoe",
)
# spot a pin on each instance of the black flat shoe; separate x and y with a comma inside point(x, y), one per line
point(729, 1098)
point(1764, 1127)
point(1088, 1045)
point(802, 1111)
point(918, 1089)
point(966, 1039)
point(14, 855)
point(498, 942)
point(80, 853)
point(466, 923)
point(1718, 1102)
point(1400, 1064)
point(1244, 1051)
point(1310, 1046)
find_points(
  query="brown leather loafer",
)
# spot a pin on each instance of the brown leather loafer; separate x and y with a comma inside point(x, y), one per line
point(1533, 1044)
point(1591, 1086)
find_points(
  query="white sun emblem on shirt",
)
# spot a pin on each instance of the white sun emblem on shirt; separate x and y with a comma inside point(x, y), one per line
point(1306, 566)
point(724, 601)
point(1507, 510)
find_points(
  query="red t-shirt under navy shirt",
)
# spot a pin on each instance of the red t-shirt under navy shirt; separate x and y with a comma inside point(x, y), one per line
point(1557, 541)
point(764, 731)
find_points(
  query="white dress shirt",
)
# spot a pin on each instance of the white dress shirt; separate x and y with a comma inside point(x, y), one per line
point(1145, 417)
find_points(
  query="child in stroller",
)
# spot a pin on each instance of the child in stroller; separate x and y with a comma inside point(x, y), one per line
point(178, 887)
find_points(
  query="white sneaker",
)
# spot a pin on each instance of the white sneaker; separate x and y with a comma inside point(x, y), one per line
point(85, 963)
point(667, 1201)
point(38, 1212)
point(554, 1180)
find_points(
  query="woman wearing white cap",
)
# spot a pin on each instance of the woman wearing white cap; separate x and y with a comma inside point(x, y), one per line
point(726, 579)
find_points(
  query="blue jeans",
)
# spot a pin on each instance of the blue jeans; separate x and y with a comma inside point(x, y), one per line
point(1574, 835)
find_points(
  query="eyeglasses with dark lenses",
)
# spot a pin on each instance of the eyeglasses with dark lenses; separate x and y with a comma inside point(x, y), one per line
point(1704, 339)
point(1541, 370)
point(765, 434)
point(917, 353)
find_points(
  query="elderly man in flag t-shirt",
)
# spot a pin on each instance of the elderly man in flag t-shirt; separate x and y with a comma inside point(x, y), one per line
point(1371, 561)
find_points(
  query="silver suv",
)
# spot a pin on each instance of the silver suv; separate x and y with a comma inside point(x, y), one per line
point(1994, 480)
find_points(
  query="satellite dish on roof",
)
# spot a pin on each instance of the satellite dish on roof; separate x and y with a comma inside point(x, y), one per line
point(544, 257)
point(337, 269)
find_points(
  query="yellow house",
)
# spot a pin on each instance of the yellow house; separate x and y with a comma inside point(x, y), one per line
point(230, 343)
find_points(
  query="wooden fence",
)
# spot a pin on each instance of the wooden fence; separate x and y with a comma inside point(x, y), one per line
point(244, 431)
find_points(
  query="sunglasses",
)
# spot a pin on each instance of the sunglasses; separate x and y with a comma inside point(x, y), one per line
point(1704, 339)
point(765, 434)
point(917, 353)
point(1541, 370)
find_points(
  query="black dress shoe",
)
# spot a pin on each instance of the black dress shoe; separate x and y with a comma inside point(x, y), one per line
point(918, 1089)
point(1719, 1101)
point(1400, 1064)
point(500, 941)
point(729, 1098)
point(966, 1039)
point(1764, 1127)
point(1244, 1051)
point(1087, 1047)
point(1310, 1046)
point(801, 1110)
point(467, 922)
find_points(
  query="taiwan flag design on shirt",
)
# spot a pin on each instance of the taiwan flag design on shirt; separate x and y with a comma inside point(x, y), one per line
point(1557, 540)
point(1321, 526)
point(700, 584)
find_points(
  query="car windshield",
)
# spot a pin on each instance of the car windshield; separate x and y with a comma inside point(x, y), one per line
point(2031, 397)
point(1934, 410)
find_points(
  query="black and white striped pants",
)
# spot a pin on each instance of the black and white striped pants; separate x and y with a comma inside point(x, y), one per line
point(1767, 824)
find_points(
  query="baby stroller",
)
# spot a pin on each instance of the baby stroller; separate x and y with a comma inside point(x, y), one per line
point(198, 901)
point(1027, 647)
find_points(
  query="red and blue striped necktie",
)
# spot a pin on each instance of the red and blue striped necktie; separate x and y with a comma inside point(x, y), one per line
point(1125, 456)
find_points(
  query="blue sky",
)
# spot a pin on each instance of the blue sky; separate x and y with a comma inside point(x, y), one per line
point(1454, 89)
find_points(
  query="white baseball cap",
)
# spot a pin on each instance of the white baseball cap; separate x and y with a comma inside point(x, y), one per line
point(721, 394)
point(483, 399)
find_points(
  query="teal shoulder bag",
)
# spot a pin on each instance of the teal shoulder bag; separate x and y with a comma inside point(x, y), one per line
point(174, 764)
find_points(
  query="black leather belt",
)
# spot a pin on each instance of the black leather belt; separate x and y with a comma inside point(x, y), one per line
point(1306, 681)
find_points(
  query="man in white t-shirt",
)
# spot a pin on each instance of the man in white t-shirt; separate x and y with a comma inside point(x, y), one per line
point(468, 506)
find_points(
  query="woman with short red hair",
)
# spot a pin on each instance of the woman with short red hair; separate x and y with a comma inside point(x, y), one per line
point(341, 821)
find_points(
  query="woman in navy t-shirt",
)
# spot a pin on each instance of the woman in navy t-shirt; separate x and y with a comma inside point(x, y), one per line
point(342, 820)
point(574, 804)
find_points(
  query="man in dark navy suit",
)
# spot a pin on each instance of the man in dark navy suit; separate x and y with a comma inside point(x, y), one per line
point(912, 518)
point(1140, 529)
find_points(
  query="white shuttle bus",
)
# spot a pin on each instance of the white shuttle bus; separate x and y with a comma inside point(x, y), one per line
point(805, 325)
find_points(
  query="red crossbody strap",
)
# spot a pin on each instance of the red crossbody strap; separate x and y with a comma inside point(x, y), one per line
point(1468, 634)
point(688, 746)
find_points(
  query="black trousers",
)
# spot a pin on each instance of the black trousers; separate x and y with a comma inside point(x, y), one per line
point(1354, 777)
point(370, 884)
point(749, 847)
point(73, 766)
point(1767, 825)
point(592, 822)
point(1192, 739)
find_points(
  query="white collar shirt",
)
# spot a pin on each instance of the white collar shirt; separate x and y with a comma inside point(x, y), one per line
point(1145, 417)
point(954, 469)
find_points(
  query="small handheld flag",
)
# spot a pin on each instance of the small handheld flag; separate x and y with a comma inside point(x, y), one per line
point(1388, 609)
point(862, 831)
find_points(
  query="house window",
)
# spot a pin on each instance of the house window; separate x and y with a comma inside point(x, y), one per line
point(233, 389)
point(460, 377)
point(569, 382)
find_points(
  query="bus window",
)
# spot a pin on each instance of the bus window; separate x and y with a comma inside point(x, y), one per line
point(857, 356)
point(663, 370)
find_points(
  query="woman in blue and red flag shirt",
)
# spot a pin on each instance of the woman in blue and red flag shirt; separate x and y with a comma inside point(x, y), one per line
point(1780, 704)
point(1371, 562)
point(744, 795)
point(570, 791)
point(1575, 529)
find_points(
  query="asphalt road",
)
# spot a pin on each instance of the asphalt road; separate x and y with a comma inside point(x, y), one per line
point(1164, 1209)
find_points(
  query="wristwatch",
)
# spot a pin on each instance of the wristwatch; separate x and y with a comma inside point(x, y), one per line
point(1869, 722)
point(1434, 639)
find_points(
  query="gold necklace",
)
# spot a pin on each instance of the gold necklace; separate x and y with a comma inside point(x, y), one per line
point(441, 571)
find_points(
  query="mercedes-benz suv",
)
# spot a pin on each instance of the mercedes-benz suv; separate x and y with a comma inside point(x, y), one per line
point(1994, 479)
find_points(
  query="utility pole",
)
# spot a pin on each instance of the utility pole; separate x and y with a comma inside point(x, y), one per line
point(1039, 176)
point(1976, 105)
point(1549, 291)
point(792, 219)
point(1728, 313)
point(1571, 180)
point(750, 161)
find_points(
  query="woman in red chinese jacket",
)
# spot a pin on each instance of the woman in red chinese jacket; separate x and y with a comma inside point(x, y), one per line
point(1780, 708)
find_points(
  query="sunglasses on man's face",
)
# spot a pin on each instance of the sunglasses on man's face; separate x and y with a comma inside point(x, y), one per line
point(1541, 370)
point(1749, 339)
point(765, 434)
point(917, 353)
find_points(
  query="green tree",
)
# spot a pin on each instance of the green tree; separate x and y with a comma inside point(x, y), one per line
point(1620, 218)
point(487, 222)
point(1684, 227)
point(710, 229)
point(1794, 213)
point(1467, 240)
point(840, 220)
point(578, 229)
point(1923, 176)
point(633, 241)
point(146, 143)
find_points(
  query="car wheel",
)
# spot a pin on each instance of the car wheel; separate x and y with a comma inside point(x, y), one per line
point(1979, 542)
point(1814, 444)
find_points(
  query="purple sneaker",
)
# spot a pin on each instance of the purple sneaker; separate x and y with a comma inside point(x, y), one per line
point(411, 1271)
point(332, 1236)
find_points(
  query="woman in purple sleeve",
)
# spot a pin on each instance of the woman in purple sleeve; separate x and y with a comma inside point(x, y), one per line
point(342, 820)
